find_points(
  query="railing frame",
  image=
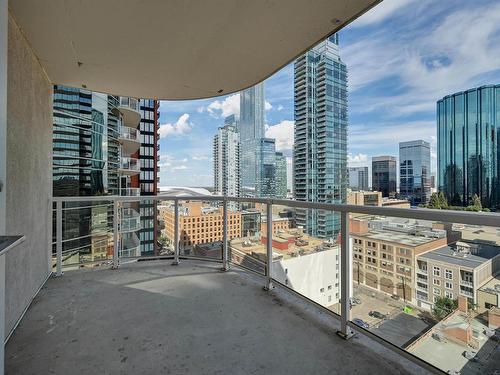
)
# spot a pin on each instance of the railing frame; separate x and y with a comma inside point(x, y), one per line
point(346, 326)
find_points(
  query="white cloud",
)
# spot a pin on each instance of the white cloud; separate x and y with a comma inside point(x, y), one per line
point(179, 168)
point(283, 133)
point(267, 106)
point(422, 67)
point(280, 107)
point(380, 12)
point(181, 126)
point(200, 109)
point(198, 158)
point(229, 106)
point(358, 160)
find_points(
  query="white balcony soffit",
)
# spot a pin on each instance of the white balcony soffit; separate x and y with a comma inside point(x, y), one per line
point(168, 49)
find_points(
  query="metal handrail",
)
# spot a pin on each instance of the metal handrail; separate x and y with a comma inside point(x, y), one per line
point(460, 217)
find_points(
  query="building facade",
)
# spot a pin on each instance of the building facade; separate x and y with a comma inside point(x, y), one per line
point(251, 130)
point(415, 171)
point(455, 270)
point(320, 149)
point(358, 178)
point(85, 163)
point(149, 176)
point(468, 153)
point(280, 176)
point(384, 175)
point(266, 171)
point(200, 225)
point(226, 156)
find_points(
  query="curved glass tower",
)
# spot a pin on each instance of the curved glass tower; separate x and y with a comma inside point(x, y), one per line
point(468, 129)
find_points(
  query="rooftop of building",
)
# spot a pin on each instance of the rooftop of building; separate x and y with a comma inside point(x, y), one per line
point(145, 318)
point(179, 191)
point(476, 232)
point(299, 244)
point(452, 255)
point(492, 286)
point(395, 237)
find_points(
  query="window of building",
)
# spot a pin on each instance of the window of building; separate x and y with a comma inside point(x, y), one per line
point(436, 271)
point(437, 291)
point(322, 290)
point(448, 285)
point(436, 281)
point(448, 294)
point(448, 274)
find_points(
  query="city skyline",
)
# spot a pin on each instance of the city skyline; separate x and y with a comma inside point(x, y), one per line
point(393, 91)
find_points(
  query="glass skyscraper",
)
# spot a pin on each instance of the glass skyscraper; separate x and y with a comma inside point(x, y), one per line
point(320, 150)
point(415, 171)
point(280, 176)
point(468, 148)
point(384, 175)
point(226, 155)
point(358, 178)
point(251, 129)
point(85, 163)
point(265, 186)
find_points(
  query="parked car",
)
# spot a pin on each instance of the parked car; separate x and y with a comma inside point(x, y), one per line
point(395, 297)
point(361, 323)
point(376, 314)
point(355, 301)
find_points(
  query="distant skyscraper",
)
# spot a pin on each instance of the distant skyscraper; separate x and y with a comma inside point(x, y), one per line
point(415, 171)
point(226, 154)
point(358, 178)
point(251, 130)
point(266, 168)
point(468, 151)
point(384, 175)
point(320, 150)
point(280, 176)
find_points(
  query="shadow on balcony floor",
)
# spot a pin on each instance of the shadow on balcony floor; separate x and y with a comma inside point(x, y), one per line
point(152, 318)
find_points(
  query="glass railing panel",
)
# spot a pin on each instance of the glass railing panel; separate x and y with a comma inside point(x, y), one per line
point(247, 247)
point(87, 238)
point(430, 288)
point(306, 253)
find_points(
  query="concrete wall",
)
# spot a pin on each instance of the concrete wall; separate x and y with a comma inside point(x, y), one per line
point(29, 174)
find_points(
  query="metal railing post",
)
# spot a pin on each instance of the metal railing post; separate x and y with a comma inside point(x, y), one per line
point(116, 260)
point(59, 238)
point(225, 250)
point(269, 247)
point(345, 277)
point(176, 233)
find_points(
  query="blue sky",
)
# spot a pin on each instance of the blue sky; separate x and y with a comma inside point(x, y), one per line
point(402, 56)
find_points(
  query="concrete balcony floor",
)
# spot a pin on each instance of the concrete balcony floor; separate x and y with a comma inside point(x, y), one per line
point(154, 318)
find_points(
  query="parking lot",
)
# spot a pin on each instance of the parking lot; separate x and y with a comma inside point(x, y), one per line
point(398, 327)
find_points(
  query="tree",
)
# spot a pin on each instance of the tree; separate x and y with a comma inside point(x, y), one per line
point(163, 240)
point(438, 201)
point(443, 307)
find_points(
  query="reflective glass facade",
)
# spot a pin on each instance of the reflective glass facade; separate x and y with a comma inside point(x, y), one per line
point(85, 163)
point(358, 178)
point(468, 150)
point(384, 175)
point(415, 171)
point(280, 176)
point(251, 129)
point(320, 150)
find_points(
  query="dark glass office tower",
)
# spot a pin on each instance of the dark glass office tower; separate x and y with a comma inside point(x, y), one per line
point(415, 171)
point(384, 175)
point(320, 150)
point(468, 149)
point(85, 163)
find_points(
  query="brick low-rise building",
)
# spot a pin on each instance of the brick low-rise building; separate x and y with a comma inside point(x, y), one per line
point(385, 259)
point(199, 224)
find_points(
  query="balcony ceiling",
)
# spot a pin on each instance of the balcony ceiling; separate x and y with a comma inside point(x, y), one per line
point(168, 49)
